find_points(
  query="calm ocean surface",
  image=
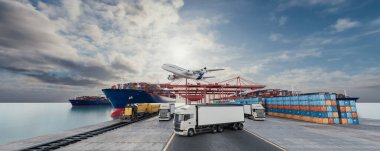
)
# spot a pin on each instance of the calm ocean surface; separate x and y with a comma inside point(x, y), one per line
point(25, 120)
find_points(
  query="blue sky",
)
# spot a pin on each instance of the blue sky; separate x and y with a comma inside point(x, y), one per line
point(55, 50)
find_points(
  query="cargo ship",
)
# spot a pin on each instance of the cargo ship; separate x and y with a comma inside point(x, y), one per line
point(121, 95)
point(89, 100)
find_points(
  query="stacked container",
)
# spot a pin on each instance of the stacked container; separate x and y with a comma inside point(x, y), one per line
point(317, 108)
point(347, 110)
point(250, 101)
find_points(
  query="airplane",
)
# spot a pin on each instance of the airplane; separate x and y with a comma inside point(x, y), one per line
point(179, 72)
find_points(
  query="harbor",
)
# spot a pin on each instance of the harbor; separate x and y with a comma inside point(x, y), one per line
point(189, 75)
point(273, 134)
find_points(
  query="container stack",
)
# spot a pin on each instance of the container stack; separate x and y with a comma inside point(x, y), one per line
point(317, 108)
point(250, 101)
point(347, 110)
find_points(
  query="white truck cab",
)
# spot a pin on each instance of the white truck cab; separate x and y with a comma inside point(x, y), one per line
point(166, 111)
point(254, 111)
point(184, 119)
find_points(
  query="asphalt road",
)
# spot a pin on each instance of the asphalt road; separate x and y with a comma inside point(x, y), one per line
point(229, 140)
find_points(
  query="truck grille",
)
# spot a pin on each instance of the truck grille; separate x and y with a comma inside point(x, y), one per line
point(260, 115)
point(177, 126)
point(162, 114)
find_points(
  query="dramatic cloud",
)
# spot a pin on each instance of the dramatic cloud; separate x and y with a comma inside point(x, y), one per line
point(65, 48)
point(319, 79)
point(344, 24)
point(97, 42)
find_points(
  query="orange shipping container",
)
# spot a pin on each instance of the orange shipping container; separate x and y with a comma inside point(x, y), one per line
point(297, 107)
point(323, 109)
point(335, 114)
point(342, 109)
point(307, 108)
point(354, 114)
point(302, 108)
point(343, 121)
point(325, 121)
point(328, 102)
point(348, 109)
point(331, 120)
point(333, 103)
point(316, 120)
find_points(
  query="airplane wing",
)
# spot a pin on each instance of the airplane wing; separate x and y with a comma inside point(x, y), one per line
point(208, 70)
point(211, 70)
point(208, 77)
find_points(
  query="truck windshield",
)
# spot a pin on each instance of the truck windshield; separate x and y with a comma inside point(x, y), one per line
point(259, 111)
point(178, 117)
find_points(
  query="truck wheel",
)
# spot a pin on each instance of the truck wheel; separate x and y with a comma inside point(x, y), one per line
point(190, 133)
point(241, 126)
point(213, 129)
point(220, 128)
point(235, 126)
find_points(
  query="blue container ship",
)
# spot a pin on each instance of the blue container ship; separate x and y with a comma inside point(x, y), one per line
point(89, 100)
point(121, 95)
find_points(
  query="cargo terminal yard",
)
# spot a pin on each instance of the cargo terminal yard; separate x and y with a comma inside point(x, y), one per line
point(218, 116)
point(273, 134)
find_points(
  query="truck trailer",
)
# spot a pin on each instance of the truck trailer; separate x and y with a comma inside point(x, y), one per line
point(166, 111)
point(194, 119)
point(254, 111)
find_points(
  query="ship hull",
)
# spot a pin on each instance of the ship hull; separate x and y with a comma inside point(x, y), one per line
point(88, 103)
point(119, 98)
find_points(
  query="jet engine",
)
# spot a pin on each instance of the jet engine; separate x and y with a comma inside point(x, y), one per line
point(172, 77)
point(189, 72)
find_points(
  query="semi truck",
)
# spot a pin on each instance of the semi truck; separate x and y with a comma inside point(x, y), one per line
point(254, 111)
point(166, 111)
point(194, 119)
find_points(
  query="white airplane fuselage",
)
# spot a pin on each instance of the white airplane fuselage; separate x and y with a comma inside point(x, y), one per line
point(179, 72)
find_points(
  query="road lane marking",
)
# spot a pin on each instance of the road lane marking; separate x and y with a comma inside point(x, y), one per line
point(168, 143)
point(262, 138)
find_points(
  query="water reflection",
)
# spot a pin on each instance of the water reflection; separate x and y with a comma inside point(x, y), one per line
point(83, 109)
point(17, 119)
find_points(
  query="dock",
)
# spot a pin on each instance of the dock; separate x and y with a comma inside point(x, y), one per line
point(273, 134)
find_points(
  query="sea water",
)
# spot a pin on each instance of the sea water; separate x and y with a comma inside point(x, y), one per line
point(25, 120)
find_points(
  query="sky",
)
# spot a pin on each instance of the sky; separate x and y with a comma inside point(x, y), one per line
point(51, 51)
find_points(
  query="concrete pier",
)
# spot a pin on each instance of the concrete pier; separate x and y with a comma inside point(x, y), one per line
point(299, 136)
point(149, 134)
point(273, 134)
